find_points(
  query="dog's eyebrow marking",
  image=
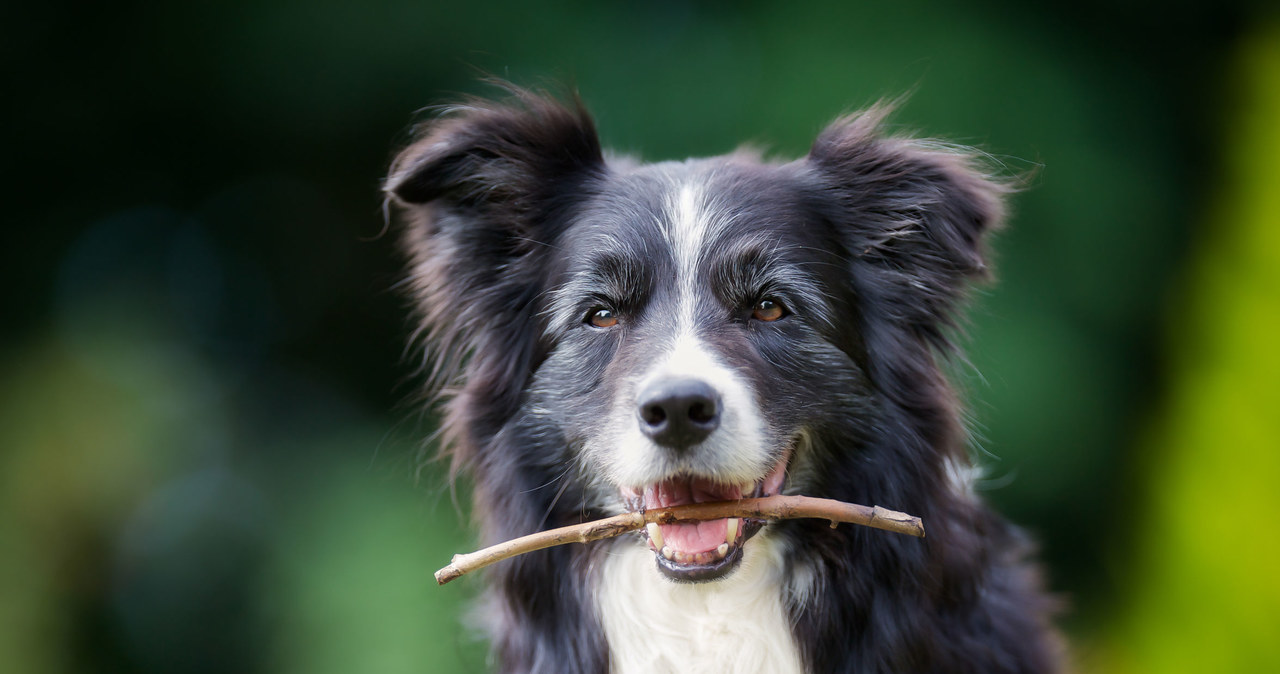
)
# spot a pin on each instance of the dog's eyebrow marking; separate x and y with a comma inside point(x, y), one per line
point(607, 277)
point(758, 265)
point(612, 270)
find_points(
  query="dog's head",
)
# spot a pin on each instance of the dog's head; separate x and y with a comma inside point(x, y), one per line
point(687, 331)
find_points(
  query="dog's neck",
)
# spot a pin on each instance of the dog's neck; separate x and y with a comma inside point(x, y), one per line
point(738, 624)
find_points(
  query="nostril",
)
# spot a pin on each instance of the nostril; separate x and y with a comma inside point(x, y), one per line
point(702, 412)
point(653, 414)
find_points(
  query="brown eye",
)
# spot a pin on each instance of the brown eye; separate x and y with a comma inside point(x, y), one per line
point(603, 318)
point(768, 311)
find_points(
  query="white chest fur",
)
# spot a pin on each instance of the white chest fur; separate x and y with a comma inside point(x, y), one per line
point(738, 624)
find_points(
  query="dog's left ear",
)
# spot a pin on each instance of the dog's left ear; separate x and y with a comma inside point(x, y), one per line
point(913, 216)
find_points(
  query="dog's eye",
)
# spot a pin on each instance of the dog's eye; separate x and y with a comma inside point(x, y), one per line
point(602, 318)
point(768, 310)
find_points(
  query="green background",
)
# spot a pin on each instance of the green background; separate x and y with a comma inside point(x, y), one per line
point(208, 441)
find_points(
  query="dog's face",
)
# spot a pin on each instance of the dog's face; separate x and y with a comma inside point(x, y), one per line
point(691, 325)
point(681, 332)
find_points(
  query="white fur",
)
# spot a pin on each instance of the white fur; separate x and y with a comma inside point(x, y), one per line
point(687, 234)
point(737, 624)
point(961, 478)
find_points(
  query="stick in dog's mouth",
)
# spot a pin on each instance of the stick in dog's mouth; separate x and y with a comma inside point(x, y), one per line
point(766, 508)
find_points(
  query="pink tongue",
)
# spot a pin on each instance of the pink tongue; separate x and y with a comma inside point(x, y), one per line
point(695, 536)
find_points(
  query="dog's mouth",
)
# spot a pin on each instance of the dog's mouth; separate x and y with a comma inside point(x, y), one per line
point(702, 551)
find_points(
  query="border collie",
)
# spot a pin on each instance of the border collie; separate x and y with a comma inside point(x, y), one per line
point(608, 335)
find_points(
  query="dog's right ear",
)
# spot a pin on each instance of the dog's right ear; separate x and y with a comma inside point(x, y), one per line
point(488, 156)
point(485, 191)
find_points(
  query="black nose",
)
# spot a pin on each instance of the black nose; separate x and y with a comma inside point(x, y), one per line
point(679, 413)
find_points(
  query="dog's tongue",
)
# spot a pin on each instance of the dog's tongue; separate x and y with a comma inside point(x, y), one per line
point(695, 537)
point(692, 537)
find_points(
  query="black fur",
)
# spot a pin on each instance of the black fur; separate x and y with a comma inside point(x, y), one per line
point(516, 224)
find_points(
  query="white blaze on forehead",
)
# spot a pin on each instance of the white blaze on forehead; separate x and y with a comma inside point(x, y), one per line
point(737, 451)
point(687, 232)
point(687, 228)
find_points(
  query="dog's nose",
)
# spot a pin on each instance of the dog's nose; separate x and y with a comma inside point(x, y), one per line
point(679, 413)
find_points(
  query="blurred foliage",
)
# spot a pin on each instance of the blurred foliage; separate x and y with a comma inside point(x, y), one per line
point(1205, 595)
point(206, 458)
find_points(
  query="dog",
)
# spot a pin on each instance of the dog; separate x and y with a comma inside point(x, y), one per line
point(606, 335)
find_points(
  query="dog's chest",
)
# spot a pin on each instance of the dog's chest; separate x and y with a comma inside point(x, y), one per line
point(738, 624)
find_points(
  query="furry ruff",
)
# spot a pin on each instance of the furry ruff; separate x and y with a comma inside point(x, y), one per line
point(604, 334)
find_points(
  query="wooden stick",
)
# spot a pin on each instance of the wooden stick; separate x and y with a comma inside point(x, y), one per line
point(768, 508)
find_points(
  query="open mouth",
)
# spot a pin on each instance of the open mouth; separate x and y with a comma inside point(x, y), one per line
point(701, 551)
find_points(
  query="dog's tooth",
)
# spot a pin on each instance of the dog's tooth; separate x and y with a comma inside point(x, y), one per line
point(748, 488)
point(731, 531)
point(668, 552)
point(722, 550)
point(655, 534)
